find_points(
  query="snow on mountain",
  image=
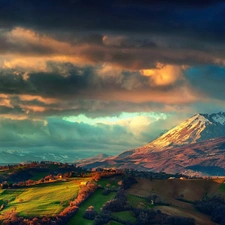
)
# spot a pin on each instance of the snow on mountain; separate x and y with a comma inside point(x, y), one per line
point(204, 158)
point(197, 144)
point(193, 130)
point(218, 117)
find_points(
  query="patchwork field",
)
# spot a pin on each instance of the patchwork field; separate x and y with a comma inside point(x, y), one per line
point(97, 200)
point(125, 215)
point(170, 190)
point(41, 200)
point(49, 199)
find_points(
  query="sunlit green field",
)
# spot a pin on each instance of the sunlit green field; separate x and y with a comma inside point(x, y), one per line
point(38, 175)
point(40, 200)
point(97, 200)
point(110, 182)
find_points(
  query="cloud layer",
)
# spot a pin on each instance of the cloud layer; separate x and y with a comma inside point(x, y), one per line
point(102, 58)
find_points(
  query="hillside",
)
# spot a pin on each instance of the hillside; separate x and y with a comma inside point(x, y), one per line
point(104, 197)
point(204, 158)
point(179, 194)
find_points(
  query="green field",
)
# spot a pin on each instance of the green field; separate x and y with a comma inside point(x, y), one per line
point(125, 215)
point(136, 201)
point(96, 200)
point(9, 195)
point(109, 182)
point(41, 200)
point(39, 175)
point(114, 223)
point(222, 187)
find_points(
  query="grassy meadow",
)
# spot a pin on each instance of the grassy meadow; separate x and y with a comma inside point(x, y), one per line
point(96, 200)
point(125, 215)
point(40, 200)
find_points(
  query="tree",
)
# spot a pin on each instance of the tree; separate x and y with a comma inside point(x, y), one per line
point(90, 213)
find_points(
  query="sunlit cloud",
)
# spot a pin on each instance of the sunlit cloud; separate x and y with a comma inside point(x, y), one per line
point(135, 123)
point(164, 74)
point(37, 98)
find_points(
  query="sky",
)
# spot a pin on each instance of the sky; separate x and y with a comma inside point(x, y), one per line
point(106, 76)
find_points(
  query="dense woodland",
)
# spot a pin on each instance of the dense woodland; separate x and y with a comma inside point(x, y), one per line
point(213, 206)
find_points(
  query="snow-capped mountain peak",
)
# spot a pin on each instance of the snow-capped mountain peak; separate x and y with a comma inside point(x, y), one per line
point(197, 144)
point(195, 129)
point(198, 118)
point(219, 118)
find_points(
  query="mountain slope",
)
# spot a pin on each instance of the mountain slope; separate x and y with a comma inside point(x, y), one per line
point(197, 144)
point(206, 157)
point(198, 128)
point(96, 158)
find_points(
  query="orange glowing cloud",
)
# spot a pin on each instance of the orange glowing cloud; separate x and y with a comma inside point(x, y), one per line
point(38, 98)
point(26, 36)
point(5, 101)
point(28, 108)
point(37, 49)
point(37, 63)
point(164, 75)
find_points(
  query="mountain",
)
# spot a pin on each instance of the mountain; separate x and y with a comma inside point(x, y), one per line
point(198, 128)
point(195, 145)
point(99, 157)
point(8, 157)
point(202, 158)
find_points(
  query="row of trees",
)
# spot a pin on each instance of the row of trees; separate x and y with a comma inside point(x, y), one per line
point(213, 206)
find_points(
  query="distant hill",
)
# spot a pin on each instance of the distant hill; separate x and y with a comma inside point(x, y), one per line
point(12, 157)
point(98, 157)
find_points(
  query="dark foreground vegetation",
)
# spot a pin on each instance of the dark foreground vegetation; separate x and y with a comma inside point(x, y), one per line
point(213, 206)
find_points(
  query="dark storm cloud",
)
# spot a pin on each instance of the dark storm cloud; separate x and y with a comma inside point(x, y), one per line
point(67, 80)
point(34, 49)
point(133, 35)
point(116, 16)
point(63, 135)
point(129, 34)
point(65, 89)
point(9, 110)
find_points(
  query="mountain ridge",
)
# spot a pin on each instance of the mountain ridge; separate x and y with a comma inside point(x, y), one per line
point(198, 128)
point(198, 143)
